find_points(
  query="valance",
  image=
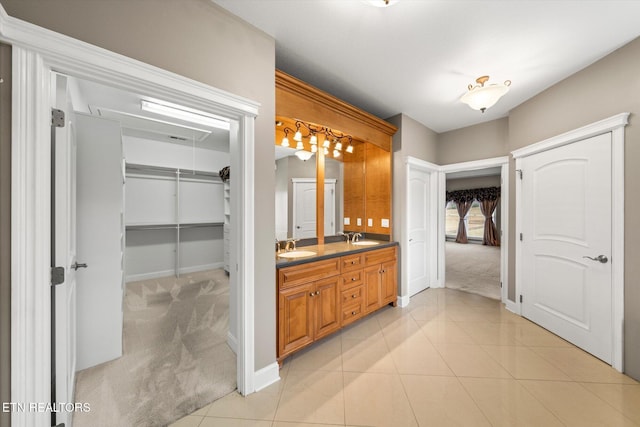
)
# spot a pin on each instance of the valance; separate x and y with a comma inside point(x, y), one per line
point(479, 194)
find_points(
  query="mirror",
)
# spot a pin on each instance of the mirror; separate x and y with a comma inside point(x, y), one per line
point(296, 195)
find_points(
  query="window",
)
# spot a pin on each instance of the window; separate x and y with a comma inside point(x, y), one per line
point(474, 221)
point(451, 220)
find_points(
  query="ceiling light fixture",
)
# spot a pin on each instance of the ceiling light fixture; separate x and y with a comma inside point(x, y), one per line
point(481, 97)
point(303, 155)
point(382, 3)
point(183, 113)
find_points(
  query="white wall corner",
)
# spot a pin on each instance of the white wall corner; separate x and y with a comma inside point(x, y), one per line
point(232, 342)
point(266, 376)
point(403, 300)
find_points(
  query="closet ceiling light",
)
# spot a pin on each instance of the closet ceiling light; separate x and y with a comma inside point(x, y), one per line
point(184, 113)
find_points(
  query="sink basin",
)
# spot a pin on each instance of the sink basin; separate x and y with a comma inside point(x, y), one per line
point(365, 243)
point(296, 254)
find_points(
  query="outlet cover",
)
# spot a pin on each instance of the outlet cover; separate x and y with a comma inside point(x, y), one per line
point(370, 222)
point(385, 222)
point(347, 220)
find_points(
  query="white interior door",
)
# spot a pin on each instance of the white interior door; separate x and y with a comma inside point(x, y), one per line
point(304, 209)
point(418, 225)
point(64, 236)
point(329, 207)
point(100, 193)
point(566, 214)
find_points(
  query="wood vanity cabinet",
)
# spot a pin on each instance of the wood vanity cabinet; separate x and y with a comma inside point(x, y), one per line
point(317, 298)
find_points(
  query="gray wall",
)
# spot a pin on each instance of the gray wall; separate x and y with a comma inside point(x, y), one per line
point(199, 40)
point(415, 140)
point(482, 141)
point(5, 230)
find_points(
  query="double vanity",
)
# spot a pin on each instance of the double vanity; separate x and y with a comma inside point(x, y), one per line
point(333, 175)
point(323, 288)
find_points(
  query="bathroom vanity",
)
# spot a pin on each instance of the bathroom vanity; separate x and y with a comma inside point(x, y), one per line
point(340, 283)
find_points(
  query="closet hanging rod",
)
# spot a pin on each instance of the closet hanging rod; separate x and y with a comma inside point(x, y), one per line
point(132, 167)
point(173, 226)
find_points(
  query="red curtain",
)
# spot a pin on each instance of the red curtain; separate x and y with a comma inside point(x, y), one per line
point(463, 207)
point(490, 237)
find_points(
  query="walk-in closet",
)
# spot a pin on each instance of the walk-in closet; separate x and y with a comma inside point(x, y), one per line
point(153, 225)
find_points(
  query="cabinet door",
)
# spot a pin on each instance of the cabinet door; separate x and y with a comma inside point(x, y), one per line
point(389, 279)
point(372, 288)
point(295, 318)
point(327, 306)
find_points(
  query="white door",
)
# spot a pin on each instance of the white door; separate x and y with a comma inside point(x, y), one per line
point(566, 213)
point(329, 207)
point(418, 215)
point(64, 236)
point(304, 209)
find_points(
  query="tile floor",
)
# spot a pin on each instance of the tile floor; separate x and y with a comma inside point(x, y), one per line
point(448, 359)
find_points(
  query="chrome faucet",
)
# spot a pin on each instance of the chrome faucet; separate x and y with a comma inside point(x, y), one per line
point(278, 246)
point(356, 237)
point(346, 236)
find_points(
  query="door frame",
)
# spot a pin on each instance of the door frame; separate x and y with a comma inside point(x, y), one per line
point(37, 51)
point(614, 124)
point(503, 163)
point(415, 164)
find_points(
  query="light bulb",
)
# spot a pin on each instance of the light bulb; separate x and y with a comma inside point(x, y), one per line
point(339, 146)
point(314, 148)
point(326, 143)
point(336, 153)
point(313, 140)
point(326, 151)
point(350, 148)
point(300, 146)
point(297, 136)
point(285, 142)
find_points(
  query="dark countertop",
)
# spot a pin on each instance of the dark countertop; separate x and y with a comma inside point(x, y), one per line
point(330, 250)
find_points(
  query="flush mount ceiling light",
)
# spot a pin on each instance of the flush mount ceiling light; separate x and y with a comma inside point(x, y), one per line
point(183, 113)
point(303, 155)
point(381, 3)
point(481, 96)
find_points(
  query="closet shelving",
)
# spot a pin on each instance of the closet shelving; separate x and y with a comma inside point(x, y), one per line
point(166, 198)
point(227, 224)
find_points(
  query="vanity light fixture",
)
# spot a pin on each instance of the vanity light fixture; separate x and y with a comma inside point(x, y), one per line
point(308, 130)
point(183, 113)
point(481, 97)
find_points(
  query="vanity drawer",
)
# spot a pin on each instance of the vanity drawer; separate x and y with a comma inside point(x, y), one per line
point(352, 278)
point(305, 273)
point(352, 313)
point(352, 262)
point(380, 255)
point(353, 295)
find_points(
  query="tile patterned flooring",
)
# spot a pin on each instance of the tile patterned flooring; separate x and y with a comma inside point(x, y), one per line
point(448, 359)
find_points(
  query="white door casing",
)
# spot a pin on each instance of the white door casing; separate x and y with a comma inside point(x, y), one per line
point(64, 235)
point(614, 126)
point(566, 216)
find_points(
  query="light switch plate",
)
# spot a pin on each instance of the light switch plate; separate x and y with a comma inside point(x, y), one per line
point(370, 222)
point(347, 220)
point(359, 222)
point(385, 222)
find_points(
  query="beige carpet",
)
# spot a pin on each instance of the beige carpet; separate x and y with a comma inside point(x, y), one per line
point(473, 268)
point(176, 359)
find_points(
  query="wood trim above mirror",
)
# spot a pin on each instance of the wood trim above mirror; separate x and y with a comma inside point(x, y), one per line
point(299, 100)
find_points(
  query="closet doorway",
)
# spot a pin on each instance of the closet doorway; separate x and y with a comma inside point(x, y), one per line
point(472, 261)
point(152, 338)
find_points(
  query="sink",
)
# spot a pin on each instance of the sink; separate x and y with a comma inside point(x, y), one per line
point(365, 243)
point(296, 254)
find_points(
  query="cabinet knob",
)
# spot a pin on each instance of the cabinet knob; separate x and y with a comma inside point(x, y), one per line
point(353, 279)
point(317, 292)
point(353, 262)
point(383, 271)
point(311, 294)
point(353, 313)
point(354, 296)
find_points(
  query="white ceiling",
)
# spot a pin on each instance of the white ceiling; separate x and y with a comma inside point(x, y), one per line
point(96, 99)
point(418, 56)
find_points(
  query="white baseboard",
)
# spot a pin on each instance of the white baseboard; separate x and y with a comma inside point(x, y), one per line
point(266, 376)
point(232, 342)
point(171, 272)
point(513, 307)
point(403, 300)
